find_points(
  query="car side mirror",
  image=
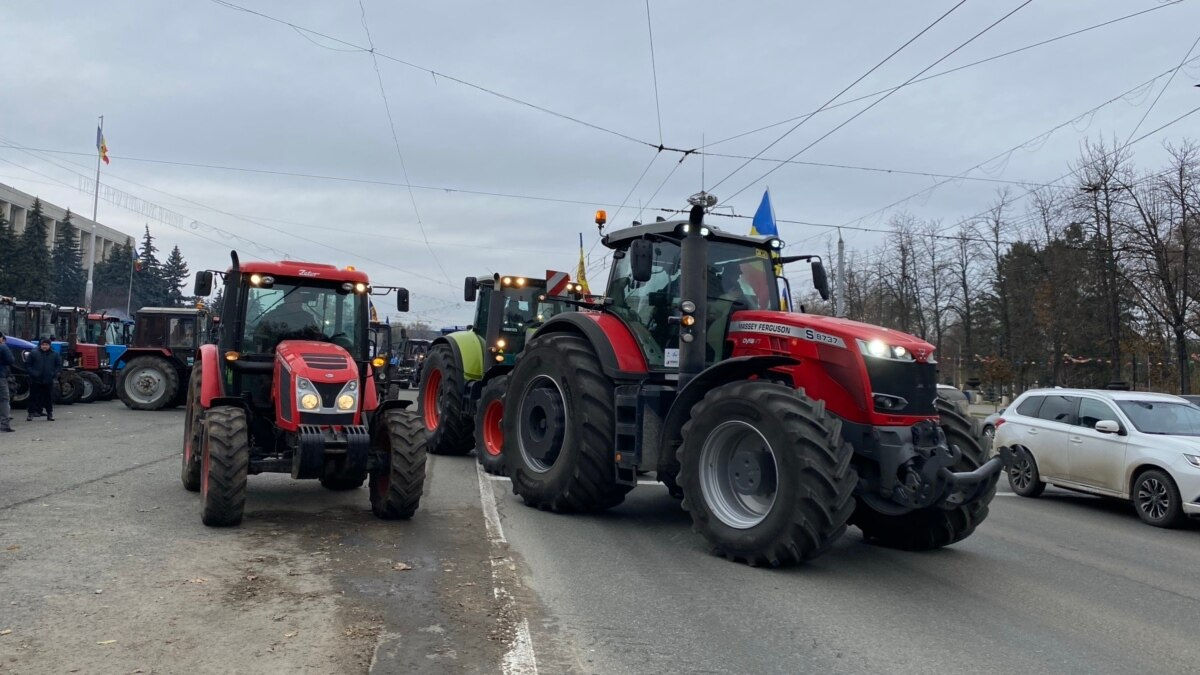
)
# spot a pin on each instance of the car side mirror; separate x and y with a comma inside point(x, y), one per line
point(1108, 427)
point(641, 259)
point(204, 279)
point(470, 286)
point(401, 299)
point(820, 279)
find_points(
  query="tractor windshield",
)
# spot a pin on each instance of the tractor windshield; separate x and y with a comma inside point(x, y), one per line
point(6, 319)
point(309, 312)
point(33, 323)
point(63, 328)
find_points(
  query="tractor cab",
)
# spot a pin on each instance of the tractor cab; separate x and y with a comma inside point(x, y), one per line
point(154, 368)
point(381, 348)
point(409, 357)
point(289, 387)
point(6, 315)
point(33, 320)
point(509, 308)
point(82, 351)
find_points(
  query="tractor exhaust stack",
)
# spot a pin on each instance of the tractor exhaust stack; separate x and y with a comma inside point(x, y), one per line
point(694, 297)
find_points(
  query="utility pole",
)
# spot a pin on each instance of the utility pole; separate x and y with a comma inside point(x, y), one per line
point(841, 276)
point(91, 262)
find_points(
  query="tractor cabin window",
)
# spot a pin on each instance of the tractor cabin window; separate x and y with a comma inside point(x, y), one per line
point(289, 312)
point(182, 332)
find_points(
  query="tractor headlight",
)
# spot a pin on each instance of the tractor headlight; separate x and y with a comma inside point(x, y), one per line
point(348, 398)
point(345, 402)
point(306, 394)
point(882, 350)
point(310, 401)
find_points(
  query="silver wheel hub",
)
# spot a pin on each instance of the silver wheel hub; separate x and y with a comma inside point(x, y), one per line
point(147, 385)
point(738, 474)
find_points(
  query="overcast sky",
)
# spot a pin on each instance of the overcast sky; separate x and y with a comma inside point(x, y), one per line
point(193, 81)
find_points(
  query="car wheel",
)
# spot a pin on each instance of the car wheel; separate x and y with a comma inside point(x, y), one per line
point(989, 431)
point(1023, 476)
point(1156, 499)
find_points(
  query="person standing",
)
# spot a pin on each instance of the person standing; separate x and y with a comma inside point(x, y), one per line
point(44, 364)
point(6, 361)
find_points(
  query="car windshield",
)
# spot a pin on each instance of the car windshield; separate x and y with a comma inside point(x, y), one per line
point(1167, 418)
point(310, 312)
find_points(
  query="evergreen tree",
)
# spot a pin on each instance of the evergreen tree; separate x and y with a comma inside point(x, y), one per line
point(175, 277)
point(69, 277)
point(8, 256)
point(149, 287)
point(218, 302)
point(32, 257)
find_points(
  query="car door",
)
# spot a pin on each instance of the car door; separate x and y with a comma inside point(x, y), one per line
point(1096, 459)
point(1046, 435)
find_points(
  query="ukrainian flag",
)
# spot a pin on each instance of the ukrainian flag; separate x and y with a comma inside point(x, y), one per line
point(764, 218)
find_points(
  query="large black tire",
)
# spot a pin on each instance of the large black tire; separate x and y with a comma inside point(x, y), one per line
point(18, 390)
point(398, 442)
point(813, 494)
point(489, 430)
point(933, 527)
point(148, 383)
point(68, 387)
point(193, 427)
point(91, 387)
point(225, 463)
point(440, 404)
point(1157, 500)
point(108, 386)
point(1023, 475)
point(573, 469)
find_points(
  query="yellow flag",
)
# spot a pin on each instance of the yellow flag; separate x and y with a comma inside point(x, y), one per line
point(581, 273)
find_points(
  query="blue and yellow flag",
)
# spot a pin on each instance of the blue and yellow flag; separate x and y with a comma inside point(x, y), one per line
point(763, 224)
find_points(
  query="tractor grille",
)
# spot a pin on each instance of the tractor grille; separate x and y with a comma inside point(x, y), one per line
point(914, 382)
point(329, 392)
point(324, 361)
point(326, 419)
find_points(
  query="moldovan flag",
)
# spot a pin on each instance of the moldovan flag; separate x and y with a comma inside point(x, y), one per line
point(137, 262)
point(101, 146)
point(581, 273)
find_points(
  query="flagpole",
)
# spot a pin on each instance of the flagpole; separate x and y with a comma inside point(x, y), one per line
point(87, 291)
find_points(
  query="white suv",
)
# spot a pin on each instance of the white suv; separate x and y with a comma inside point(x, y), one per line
point(1132, 445)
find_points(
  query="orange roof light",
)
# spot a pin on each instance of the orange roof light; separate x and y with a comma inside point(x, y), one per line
point(601, 217)
point(350, 268)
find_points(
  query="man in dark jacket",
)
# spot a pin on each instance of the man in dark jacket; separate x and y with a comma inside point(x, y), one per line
point(44, 364)
point(6, 361)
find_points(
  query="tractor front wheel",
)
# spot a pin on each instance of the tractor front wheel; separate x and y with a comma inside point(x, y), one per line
point(91, 387)
point(148, 383)
point(559, 421)
point(18, 390)
point(489, 433)
point(440, 404)
point(224, 465)
point(932, 527)
point(193, 428)
point(765, 473)
point(68, 387)
point(398, 472)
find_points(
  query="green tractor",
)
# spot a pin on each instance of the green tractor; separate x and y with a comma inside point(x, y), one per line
point(463, 380)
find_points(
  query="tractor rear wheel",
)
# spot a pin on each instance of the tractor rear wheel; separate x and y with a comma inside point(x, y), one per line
point(559, 419)
point(224, 465)
point(489, 434)
point(932, 527)
point(440, 404)
point(398, 442)
point(18, 390)
point(148, 383)
point(193, 428)
point(91, 387)
point(765, 473)
point(108, 387)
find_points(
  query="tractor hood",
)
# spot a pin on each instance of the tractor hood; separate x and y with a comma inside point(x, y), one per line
point(827, 331)
point(319, 362)
point(17, 343)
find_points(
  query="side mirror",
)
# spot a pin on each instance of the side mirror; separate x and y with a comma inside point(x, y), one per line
point(401, 299)
point(1108, 427)
point(203, 283)
point(641, 259)
point(820, 280)
point(469, 288)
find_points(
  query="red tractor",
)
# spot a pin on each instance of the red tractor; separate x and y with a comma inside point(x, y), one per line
point(776, 428)
point(289, 388)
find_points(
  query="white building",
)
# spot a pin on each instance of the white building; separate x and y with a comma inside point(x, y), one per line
point(15, 205)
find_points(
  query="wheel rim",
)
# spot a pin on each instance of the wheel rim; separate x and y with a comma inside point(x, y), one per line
point(493, 434)
point(1153, 498)
point(989, 432)
point(542, 423)
point(430, 400)
point(738, 474)
point(145, 385)
point(1021, 473)
point(86, 387)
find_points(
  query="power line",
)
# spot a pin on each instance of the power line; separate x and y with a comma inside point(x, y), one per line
point(948, 71)
point(874, 169)
point(396, 140)
point(435, 73)
point(1164, 89)
point(884, 97)
point(654, 73)
point(844, 90)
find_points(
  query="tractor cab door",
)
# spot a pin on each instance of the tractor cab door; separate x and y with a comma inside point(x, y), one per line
point(739, 278)
point(647, 306)
point(183, 336)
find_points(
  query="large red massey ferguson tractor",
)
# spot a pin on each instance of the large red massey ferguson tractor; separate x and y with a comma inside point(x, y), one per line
point(777, 428)
point(289, 388)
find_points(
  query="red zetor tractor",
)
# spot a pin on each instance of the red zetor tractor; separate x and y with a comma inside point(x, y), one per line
point(289, 388)
point(777, 428)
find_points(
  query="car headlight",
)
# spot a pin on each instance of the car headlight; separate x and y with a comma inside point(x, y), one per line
point(310, 401)
point(882, 350)
point(1192, 459)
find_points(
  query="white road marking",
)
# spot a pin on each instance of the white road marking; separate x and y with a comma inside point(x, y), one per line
point(519, 659)
point(507, 479)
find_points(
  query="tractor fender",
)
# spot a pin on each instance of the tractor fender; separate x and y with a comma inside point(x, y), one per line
point(498, 370)
point(393, 404)
point(468, 349)
point(619, 353)
point(210, 375)
point(134, 352)
point(729, 370)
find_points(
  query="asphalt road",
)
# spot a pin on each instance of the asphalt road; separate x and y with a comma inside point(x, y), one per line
point(1064, 583)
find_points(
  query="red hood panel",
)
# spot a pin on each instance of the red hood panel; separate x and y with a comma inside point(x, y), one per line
point(318, 361)
point(827, 330)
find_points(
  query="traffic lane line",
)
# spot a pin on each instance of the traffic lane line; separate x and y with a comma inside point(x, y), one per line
point(519, 658)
